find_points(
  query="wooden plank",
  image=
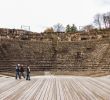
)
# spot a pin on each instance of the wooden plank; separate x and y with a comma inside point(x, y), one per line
point(55, 88)
point(30, 92)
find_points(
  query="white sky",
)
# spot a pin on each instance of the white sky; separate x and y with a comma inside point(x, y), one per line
point(39, 14)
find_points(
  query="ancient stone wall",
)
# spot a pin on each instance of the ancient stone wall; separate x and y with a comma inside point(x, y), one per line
point(55, 56)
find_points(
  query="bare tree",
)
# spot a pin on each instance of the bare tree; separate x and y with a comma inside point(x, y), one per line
point(108, 19)
point(58, 28)
point(88, 28)
point(97, 20)
point(104, 18)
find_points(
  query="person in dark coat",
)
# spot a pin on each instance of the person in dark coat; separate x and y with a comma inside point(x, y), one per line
point(22, 71)
point(28, 73)
point(17, 71)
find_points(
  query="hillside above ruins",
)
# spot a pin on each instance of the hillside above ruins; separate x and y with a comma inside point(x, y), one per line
point(19, 34)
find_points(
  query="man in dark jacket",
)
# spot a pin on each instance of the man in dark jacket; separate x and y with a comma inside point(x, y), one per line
point(28, 73)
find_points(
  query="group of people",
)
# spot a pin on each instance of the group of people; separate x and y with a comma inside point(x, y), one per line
point(20, 72)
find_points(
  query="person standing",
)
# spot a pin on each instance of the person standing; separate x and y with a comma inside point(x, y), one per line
point(28, 73)
point(22, 71)
point(17, 71)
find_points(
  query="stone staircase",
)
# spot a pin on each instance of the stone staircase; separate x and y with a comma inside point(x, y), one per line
point(96, 55)
point(105, 61)
point(46, 56)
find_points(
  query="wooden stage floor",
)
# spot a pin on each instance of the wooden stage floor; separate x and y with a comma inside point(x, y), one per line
point(55, 88)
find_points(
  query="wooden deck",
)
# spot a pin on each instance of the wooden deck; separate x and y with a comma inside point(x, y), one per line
point(55, 88)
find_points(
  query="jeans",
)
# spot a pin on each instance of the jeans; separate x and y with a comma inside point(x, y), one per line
point(17, 75)
point(28, 76)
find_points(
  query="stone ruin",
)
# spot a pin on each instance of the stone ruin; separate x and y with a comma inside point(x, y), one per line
point(55, 56)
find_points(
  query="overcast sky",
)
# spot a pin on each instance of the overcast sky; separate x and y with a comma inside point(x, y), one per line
point(39, 14)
